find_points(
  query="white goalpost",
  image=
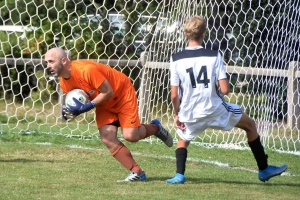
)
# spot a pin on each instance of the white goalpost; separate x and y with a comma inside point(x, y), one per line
point(259, 42)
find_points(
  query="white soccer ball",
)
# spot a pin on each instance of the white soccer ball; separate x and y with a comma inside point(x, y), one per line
point(78, 94)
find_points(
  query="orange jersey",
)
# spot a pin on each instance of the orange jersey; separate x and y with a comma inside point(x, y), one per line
point(89, 75)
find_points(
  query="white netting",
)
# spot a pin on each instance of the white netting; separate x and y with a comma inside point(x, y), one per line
point(259, 41)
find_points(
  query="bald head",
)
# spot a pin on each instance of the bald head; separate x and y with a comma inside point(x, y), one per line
point(57, 62)
point(57, 52)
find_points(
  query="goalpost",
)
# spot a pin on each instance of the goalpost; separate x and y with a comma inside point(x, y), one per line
point(259, 42)
point(263, 78)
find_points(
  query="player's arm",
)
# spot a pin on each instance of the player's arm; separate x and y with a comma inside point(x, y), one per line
point(106, 92)
point(224, 86)
point(174, 82)
point(222, 78)
point(175, 99)
point(176, 106)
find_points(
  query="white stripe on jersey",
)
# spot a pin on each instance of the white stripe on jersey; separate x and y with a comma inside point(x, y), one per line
point(196, 70)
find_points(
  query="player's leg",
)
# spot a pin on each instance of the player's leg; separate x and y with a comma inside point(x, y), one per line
point(163, 134)
point(181, 156)
point(249, 126)
point(108, 135)
point(265, 171)
point(121, 153)
point(192, 130)
point(146, 130)
point(231, 115)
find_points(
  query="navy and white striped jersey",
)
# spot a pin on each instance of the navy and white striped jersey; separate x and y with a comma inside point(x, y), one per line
point(196, 70)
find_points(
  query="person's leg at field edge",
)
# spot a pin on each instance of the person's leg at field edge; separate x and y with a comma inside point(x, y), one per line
point(265, 171)
point(246, 123)
point(181, 156)
point(120, 152)
point(146, 130)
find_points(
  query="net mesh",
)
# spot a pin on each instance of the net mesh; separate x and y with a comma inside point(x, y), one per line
point(259, 41)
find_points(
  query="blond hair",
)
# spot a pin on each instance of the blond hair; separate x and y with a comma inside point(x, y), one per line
point(194, 27)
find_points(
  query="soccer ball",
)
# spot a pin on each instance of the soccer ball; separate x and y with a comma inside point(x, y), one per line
point(78, 94)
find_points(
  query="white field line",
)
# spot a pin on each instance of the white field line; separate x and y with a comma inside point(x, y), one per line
point(197, 160)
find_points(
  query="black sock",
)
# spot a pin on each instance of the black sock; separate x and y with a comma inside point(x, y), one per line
point(259, 153)
point(181, 155)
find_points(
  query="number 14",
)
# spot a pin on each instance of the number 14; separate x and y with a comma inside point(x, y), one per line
point(204, 80)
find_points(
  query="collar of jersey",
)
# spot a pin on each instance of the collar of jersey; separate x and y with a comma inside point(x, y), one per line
point(194, 48)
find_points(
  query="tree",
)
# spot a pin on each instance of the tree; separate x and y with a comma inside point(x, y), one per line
point(82, 27)
point(46, 24)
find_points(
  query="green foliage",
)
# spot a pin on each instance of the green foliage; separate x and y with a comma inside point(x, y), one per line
point(10, 44)
point(65, 23)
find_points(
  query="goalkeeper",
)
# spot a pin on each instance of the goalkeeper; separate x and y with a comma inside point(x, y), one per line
point(113, 95)
point(196, 74)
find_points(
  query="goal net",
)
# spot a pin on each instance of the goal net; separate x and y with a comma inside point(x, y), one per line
point(259, 42)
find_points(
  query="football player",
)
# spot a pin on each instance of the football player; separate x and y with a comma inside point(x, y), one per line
point(198, 83)
point(114, 99)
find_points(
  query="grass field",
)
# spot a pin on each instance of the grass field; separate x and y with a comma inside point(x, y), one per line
point(46, 166)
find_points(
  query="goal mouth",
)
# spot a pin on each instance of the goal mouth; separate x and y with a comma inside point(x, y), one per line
point(259, 44)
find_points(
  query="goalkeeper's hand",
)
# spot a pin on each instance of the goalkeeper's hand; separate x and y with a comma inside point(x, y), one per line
point(80, 107)
point(67, 115)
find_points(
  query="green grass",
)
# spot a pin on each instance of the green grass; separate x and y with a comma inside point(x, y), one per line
point(48, 166)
